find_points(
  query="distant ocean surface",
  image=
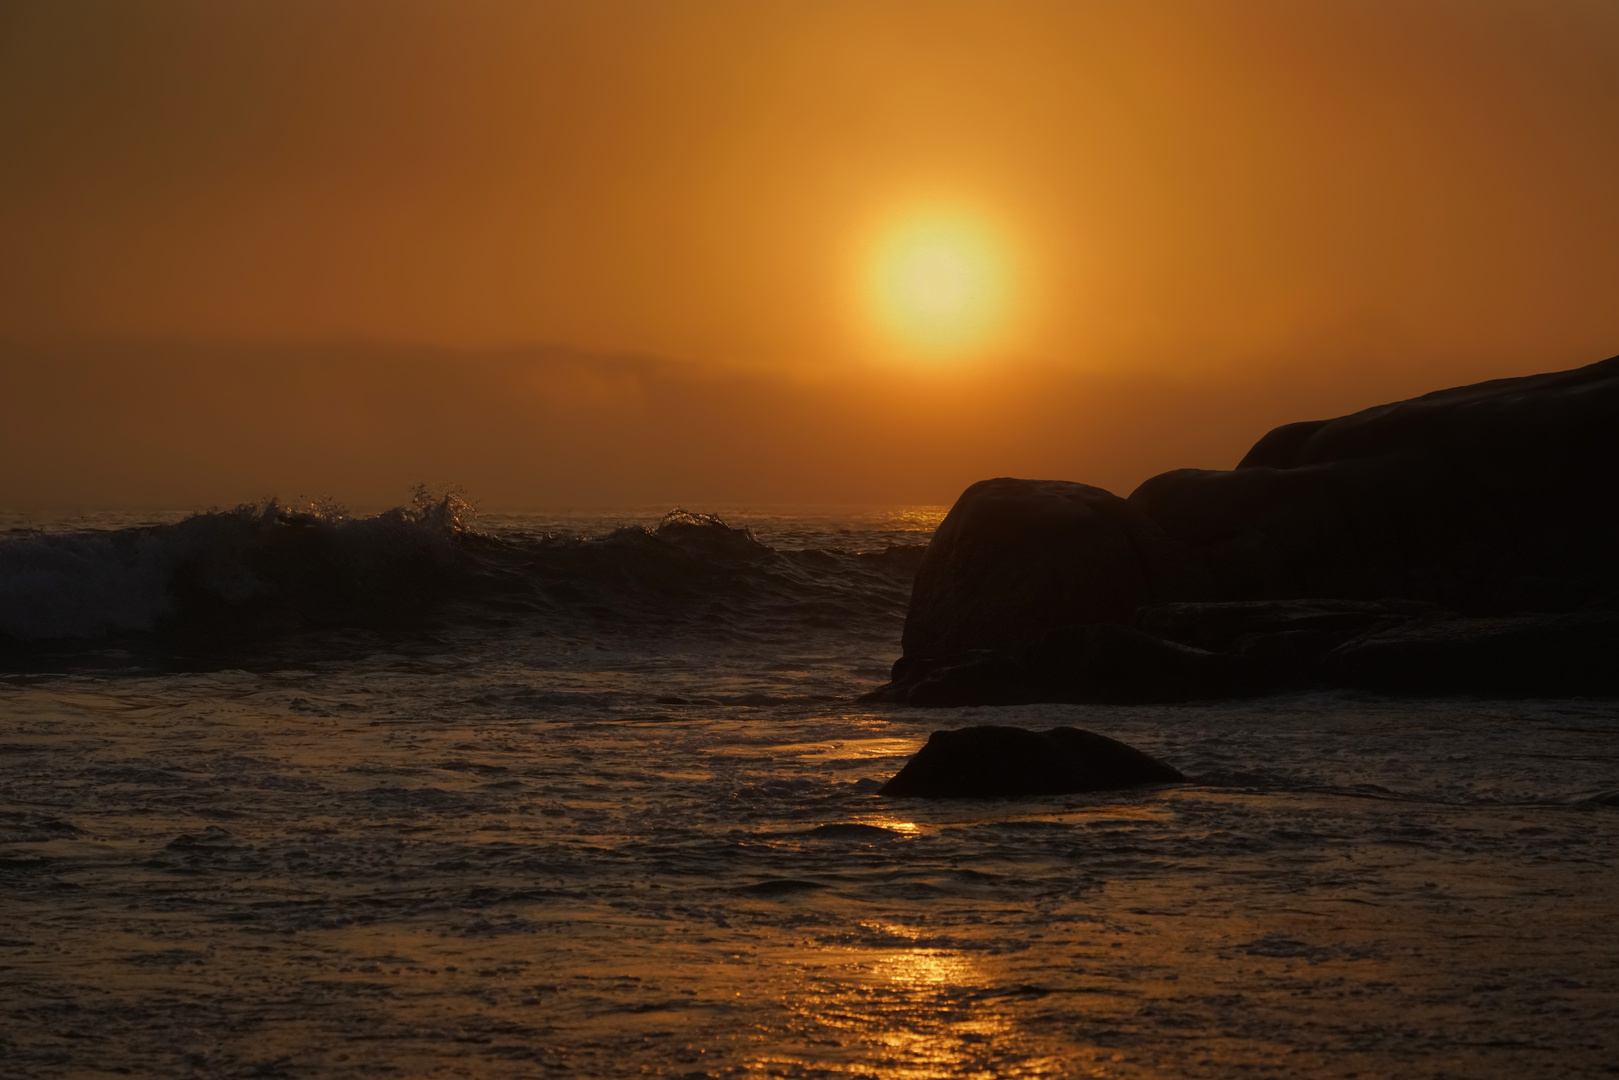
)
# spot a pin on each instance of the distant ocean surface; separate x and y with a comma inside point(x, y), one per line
point(297, 793)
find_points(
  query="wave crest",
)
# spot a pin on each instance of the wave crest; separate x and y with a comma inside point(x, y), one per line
point(282, 564)
point(217, 579)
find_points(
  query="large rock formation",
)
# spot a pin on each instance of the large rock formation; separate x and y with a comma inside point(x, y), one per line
point(1005, 762)
point(1015, 558)
point(1352, 552)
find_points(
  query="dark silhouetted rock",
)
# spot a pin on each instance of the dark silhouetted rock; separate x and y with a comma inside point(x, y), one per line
point(1231, 624)
point(1004, 762)
point(1498, 498)
point(1550, 655)
point(1284, 641)
point(1101, 663)
point(1015, 558)
point(1401, 548)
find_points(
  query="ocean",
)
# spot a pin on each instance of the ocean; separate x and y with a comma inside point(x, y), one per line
point(298, 793)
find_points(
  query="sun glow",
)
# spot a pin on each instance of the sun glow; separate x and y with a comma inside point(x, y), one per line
point(938, 284)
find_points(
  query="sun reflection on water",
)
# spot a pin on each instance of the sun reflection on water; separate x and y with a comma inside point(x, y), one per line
point(915, 1010)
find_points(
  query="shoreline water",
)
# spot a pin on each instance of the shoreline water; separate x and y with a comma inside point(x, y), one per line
point(621, 849)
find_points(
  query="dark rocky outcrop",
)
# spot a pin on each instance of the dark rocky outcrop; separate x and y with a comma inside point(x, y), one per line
point(1527, 655)
point(1102, 663)
point(1463, 541)
point(1005, 762)
point(1491, 499)
point(1015, 558)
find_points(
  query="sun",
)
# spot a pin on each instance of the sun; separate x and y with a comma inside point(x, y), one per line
point(937, 283)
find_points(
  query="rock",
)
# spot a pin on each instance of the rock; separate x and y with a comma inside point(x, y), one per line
point(1527, 655)
point(1231, 624)
point(974, 677)
point(1005, 762)
point(1285, 641)
point(852, 830)
point(1103, 663)
point(1366, 539)
point(1015, 558)
point(1492, 499)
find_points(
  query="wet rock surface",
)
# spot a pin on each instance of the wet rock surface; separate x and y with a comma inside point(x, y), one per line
point(1007, 762)
point(1459, 542)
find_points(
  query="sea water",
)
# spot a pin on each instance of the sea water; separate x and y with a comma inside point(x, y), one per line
point(307, 794)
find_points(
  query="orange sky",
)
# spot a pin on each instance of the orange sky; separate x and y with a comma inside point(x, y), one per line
point(615, 252)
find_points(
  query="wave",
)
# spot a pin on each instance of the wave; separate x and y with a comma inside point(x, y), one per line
point(269, 570)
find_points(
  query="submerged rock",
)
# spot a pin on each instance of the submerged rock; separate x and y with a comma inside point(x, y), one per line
point(852, 830)
point(1445, 544)
point(1003, 762)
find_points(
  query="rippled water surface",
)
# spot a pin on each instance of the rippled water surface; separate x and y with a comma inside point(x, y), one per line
point(527, 841)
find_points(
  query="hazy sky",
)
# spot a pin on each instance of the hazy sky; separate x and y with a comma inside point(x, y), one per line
point(598, 252)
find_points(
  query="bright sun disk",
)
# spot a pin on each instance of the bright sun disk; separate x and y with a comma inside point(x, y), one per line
point(938, 284)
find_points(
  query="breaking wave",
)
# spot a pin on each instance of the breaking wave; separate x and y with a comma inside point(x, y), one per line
point(269, 570)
